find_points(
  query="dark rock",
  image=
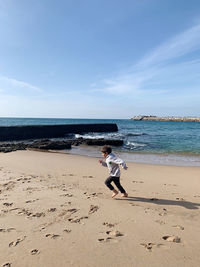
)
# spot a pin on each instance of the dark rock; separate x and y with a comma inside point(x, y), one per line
point(102, 142)
point(77, 141)
point(9, 147)
point(6, 150)
point(53, 145)
point(41, 144)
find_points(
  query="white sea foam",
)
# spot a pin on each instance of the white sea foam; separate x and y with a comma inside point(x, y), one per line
point(100, 136)
point(89, 136)
point(133, 145)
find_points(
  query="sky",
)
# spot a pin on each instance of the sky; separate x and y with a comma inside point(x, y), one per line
point(99, 59)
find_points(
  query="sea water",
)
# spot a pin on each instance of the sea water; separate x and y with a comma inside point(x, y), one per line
point(157, 142)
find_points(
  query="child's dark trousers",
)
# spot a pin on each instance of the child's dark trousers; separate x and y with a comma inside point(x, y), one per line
point(116, 181)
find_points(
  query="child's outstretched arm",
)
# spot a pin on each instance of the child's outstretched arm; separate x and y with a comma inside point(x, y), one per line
point(103, 163)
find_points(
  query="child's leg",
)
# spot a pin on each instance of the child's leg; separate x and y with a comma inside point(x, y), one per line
point(108, 184)
point(116, 180)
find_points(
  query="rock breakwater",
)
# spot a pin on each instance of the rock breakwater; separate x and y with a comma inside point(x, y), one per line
point(155, 118)
point(11, 133)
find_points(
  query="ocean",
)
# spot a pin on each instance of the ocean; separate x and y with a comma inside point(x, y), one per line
point(154, 142)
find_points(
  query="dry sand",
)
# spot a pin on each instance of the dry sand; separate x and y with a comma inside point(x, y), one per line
point(56, 211)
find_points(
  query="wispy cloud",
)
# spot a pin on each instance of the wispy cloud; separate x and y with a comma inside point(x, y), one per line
point(180, 45)
point(10, 82)
point(161, 59)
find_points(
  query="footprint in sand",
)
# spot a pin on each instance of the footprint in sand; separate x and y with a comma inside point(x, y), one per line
point(15, 243)
point(160, 222)
point(109, 225)
point(107, 239)
point(93, 209)
point(31, 201)
point(8, 264)
point(93, 195)
point(179, 227)
point(52, 236)
point(77, 220)
point(134, 205)
point(72, 210)
point(30, 214)
point(163, 213)
point(66, 195)
point(66, 213)
point(111, 237)
point(172, 238)
point(149, 246)
point(67, 230)
point(52, 210)
point(171, 184)
point(25, 212)
point(140, 182)
point(7, 204)
point(7, 230)
point(24, 180)
point(66, 204)
point(34, 251)
point(114, 233)
point(180, 198)
point(14, 209)
point(4, 211)
point(38, 214)
point(87, 176)
point(9, 185)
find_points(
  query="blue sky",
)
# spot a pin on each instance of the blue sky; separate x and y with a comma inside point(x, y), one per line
point(99, 59)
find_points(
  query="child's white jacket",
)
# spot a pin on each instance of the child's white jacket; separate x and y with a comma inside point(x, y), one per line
point(113, 162)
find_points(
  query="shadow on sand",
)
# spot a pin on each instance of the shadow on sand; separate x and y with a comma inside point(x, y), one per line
point(182, 203)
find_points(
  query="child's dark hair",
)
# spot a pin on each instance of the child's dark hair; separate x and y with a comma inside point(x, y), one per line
point(106, 149)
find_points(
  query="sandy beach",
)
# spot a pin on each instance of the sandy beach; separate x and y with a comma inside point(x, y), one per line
point(56, 211)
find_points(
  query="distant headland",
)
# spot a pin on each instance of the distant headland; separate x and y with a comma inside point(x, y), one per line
point(155, 118)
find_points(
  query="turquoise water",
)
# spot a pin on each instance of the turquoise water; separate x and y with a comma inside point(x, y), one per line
point(140, 137)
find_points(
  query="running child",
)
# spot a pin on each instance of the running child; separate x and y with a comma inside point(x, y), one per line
point(113, 162)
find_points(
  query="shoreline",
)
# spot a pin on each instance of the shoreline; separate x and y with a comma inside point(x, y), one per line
point(164, 159)
point(56, 211)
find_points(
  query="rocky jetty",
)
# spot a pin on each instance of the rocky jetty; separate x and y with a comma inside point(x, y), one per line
point(155, 118)
point(11, 133)
point(46, 144)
